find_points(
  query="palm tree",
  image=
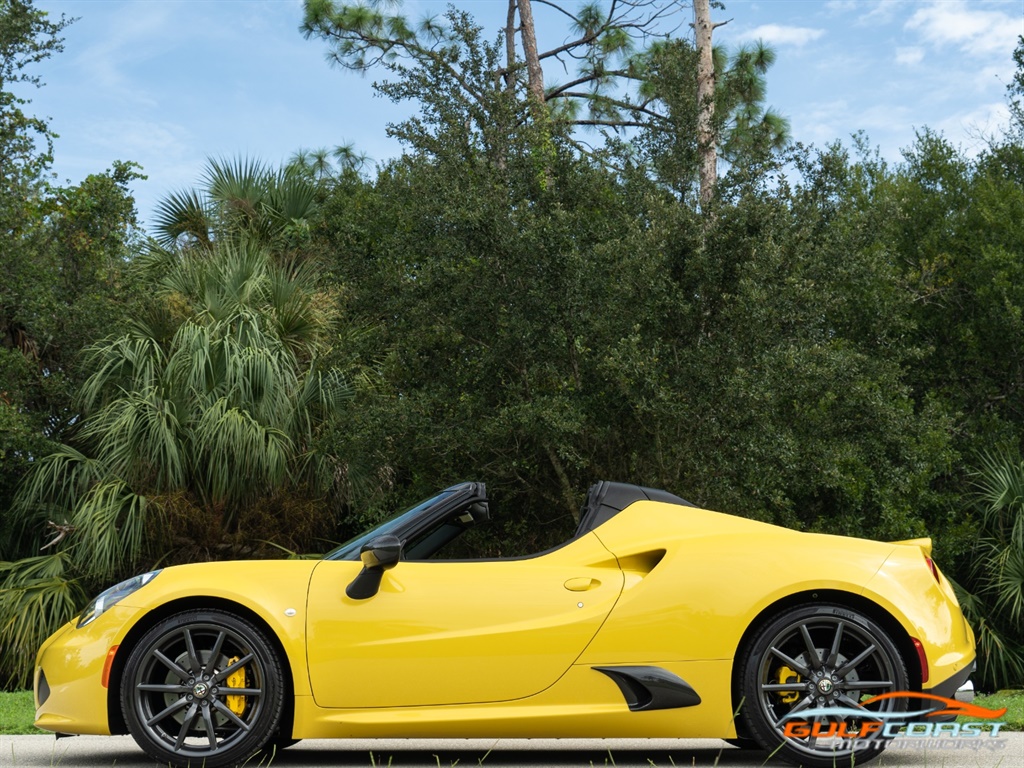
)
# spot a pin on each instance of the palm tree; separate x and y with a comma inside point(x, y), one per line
point(318, 165)
point(993, 595)
point(198, 429)
point(237, 198)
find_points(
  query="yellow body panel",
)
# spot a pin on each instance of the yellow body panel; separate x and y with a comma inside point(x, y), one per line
point(457, 632)
point(507, 648)
point(582, 704)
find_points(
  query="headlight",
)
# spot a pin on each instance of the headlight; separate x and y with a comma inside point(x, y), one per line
point(112, 596)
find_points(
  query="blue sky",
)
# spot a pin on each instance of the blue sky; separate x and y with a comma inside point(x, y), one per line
point(168, 84)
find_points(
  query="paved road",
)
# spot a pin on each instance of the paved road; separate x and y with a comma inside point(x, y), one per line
point(121, 752)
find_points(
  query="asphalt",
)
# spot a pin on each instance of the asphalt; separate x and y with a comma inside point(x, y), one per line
point(1006, 751)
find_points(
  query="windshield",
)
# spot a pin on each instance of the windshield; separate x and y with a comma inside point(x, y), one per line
point(350, 549)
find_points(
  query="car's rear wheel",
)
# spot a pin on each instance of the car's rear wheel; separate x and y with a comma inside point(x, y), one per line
point(809, 682)
point(202, 688)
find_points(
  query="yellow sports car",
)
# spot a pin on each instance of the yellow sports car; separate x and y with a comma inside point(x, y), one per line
point(656, 619)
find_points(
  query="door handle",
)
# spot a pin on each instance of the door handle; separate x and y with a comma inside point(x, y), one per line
point(582, 584)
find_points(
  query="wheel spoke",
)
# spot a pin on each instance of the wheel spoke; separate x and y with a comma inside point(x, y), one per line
point(846, 701)
point(171, 665)
point(833, 654)
point(193, 658)
point(812, 740)
point(168, 711)
point(214, 653)
point(856, 685)
point(223, 674)
point(792, 663)
point(210, 732)
point(812, 652)
point(803, 704)
point(162, 688)
point(852, 663)
point(240, 691)
point(794, 686)
point(186, 725)
point(231, 715)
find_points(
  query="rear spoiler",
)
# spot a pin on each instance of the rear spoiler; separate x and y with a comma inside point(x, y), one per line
point(925, 544)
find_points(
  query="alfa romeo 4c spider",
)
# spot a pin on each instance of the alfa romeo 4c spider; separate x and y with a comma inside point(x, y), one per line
point(656, 619)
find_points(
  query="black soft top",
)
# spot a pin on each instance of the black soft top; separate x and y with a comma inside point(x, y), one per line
point(606, 499)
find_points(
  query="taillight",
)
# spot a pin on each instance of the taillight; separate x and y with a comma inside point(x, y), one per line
point(932, 568)
point(921, 657)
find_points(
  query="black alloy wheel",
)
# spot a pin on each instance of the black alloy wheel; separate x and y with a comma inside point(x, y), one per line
point(815, 658)
point(202, 688)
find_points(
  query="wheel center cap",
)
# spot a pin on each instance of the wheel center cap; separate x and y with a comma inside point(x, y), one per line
point(199, 690)
point(824, 685)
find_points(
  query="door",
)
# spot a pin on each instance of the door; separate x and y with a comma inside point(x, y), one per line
point(458, 631)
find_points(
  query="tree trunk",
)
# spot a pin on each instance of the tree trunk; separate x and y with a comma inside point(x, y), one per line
point(510, 46)
point(534, 74)
point(705, 102)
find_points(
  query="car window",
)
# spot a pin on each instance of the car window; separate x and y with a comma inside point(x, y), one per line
point(450, 538)
point(350, 549)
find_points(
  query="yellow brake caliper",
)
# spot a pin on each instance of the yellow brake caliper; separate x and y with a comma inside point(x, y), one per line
point(236, 680)
point(787, 675)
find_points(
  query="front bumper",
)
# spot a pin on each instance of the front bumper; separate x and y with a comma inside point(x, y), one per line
point(69, 692)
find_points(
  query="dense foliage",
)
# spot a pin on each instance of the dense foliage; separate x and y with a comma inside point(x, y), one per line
point(834, 344)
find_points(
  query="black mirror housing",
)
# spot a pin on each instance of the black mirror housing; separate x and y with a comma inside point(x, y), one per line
point(381, 552)
point(378, 555)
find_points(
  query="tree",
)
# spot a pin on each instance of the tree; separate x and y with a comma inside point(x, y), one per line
point(541, 336)
point(992, 595)
point(705, 100)
point(1015, 88)
point(321, 165)
point(27, 37)
point(239, 198)
point(61, 275)
point(198, 437)
point(652, 91)
point(196, 430)
point(601, 41)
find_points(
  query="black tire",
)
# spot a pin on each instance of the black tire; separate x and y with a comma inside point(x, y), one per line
point(175, 697)
point(278, 743)
point(820, 656)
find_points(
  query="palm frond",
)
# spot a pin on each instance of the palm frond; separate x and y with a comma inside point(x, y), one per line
point(184, 214)
point(111, 524)
point(37, 596)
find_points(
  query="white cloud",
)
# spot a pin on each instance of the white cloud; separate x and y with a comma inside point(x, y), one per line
point(882, 12)
point(973, 30)
point(972, 129)
point(909, 56)
point(139, 138)
point(777, 34)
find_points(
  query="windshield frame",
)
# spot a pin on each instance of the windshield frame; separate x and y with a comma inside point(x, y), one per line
point(411, 521)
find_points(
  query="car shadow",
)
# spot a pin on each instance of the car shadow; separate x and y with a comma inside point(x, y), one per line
point(449, 758)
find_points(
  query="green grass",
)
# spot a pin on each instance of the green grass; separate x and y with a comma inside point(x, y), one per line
point(1014, 703)
point(17, 711)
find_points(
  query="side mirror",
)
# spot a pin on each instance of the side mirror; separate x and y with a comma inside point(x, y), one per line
point(378, 555)
point(381, 552)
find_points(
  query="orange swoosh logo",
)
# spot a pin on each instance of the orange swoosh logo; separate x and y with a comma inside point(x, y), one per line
point(952, 706)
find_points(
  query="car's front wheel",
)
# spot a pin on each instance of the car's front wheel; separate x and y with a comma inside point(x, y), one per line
point(810, 680)
point(202, 688)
